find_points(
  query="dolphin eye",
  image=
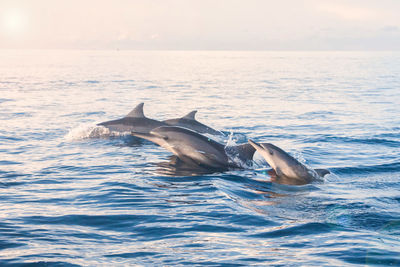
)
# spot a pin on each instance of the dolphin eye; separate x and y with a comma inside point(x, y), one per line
point(271, 153)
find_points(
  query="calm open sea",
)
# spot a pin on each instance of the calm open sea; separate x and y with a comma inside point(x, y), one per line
point(70, 195)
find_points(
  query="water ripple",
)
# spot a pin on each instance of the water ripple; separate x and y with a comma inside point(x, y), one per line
point(75, 194)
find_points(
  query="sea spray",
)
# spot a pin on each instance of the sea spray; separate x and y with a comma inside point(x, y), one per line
point(85, 131)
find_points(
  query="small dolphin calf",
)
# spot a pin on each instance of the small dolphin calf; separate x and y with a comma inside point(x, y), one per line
point(287, 169)
point(196, 149)
point(189, 121)
point(134, 121)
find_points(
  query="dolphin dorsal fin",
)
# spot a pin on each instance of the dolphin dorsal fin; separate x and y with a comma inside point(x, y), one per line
point(190, 115)
point(137, 112)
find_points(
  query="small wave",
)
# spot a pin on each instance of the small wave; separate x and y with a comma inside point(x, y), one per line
point(10, 138)
point(2, 100)
point(336, 139)
point(395, 134)
point(179, 85)
point(316, 115)
point(390, 167)
point(151, 87)
point(122, 81)
point(132, 254)
point(84, 114)
point(298, 230)
point(92, 81)
point(11, 116)
point(8, 162)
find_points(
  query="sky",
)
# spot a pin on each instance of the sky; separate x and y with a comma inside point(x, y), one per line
point(200, 24)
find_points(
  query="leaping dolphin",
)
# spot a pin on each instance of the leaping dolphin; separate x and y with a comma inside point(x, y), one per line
point(189, 121)
point(196, 149)
point(134, 121)
point(287, 169)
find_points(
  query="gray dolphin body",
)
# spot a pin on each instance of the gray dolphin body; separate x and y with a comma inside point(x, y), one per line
point(287, 169)
point(134, 121)
point(189, 121)
point(196, 149)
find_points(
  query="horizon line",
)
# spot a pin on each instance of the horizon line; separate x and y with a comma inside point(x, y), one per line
point(208, 50)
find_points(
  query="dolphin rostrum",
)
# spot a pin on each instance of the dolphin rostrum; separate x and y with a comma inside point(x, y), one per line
point(196, 149)
point(287, 169)
point(134, 121)
point(189, 121)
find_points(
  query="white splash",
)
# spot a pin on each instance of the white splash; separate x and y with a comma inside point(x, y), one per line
point(90, 131)
point(233, 154)
point(231, 140)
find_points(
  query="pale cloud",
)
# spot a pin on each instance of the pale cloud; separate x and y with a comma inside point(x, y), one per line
point(201, 24)
point(347, 11)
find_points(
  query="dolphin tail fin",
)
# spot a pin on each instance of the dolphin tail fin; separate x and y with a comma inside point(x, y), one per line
point(244, 151)
point(190, 116)
point(322, 172)
point(137, 112)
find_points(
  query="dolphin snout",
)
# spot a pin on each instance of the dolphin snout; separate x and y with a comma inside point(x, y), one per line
point(254, 144)
point(260, 146)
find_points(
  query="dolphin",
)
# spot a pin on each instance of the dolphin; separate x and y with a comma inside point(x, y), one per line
point(189, 121)
point(134, 121)
point(196, 149)
point(287, 169)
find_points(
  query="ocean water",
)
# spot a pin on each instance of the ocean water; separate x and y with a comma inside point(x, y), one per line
point(73, 195)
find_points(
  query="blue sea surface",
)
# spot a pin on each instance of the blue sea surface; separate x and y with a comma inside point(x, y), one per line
point(73, 196)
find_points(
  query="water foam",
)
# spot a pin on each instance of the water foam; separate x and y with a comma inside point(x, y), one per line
point(233, 153)
point(86, 131)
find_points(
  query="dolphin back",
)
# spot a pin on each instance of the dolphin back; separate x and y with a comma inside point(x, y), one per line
point(189, 121)
point(189, 146)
